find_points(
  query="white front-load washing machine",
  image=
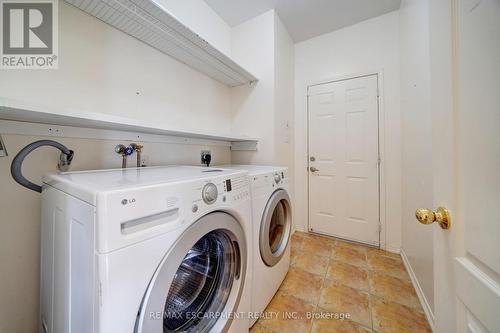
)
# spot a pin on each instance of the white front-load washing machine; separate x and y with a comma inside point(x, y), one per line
point(272, 228)
point(146, 250)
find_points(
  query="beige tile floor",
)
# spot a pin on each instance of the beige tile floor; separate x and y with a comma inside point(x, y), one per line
point(332, 278)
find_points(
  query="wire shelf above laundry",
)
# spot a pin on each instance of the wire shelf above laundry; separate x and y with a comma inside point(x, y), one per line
point(152, 24)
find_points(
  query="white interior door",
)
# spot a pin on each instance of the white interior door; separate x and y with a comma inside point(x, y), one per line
point(465, 102)
point(343, 159)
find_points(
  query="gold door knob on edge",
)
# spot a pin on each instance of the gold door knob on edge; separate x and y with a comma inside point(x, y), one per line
point(441, 216)
point(313, 169)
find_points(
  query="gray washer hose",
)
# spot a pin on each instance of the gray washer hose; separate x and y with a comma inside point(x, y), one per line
point(17, 163)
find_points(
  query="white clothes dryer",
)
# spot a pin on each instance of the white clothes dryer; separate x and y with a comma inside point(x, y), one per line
point(272, 228)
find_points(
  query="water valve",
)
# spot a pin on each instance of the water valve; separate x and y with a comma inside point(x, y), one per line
point(124, 152)
point(138, 150)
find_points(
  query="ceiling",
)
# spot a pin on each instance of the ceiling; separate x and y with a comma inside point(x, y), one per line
point(304, 19)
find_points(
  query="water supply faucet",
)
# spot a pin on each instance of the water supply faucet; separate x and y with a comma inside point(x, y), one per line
point(138, 149)
point(124, 152)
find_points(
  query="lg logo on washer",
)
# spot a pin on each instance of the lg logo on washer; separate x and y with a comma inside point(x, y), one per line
point(128, 201)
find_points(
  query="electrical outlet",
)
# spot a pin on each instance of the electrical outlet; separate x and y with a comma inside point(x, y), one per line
point(3, 150)
point(203, 155)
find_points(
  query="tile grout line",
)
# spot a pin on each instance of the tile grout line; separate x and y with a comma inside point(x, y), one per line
point(316, 304)
point(320, 289)
point(370, 293)
point(323, 282)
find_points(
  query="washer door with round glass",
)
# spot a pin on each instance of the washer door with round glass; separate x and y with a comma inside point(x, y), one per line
point(275, 228)
point(198, 285)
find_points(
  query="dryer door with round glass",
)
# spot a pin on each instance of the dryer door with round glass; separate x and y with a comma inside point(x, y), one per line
point(275, 228)
point(199, 283)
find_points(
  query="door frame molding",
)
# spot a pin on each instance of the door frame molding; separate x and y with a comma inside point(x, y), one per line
point(381, 148)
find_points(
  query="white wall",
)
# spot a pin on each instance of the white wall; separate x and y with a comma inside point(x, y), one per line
point(372, 45)
point(416, 126)
point(264, 47)
point(202, 19)
point(253, 107)
point(104, 70)
point(284, 101)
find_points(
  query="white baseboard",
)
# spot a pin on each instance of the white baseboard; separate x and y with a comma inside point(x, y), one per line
point(298, 229)
point(420, 293)
point(389, 248)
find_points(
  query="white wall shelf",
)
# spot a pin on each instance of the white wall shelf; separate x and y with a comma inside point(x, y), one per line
point(14, 111)
point(152, 24)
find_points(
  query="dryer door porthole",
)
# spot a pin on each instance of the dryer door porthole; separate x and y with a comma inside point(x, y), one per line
point(199, 280)
point(275, 228)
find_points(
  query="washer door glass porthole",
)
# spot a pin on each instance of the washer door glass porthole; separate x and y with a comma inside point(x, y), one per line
point(198, 284)
point(275, 228)
point(201, 285)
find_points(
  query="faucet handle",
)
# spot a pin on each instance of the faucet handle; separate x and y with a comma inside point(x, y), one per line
point(124, 152)
point(119, 149)
point(129, 150)
point(137, 147)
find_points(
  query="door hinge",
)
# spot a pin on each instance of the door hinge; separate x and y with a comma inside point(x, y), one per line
point(379, 161)
point(379, 227)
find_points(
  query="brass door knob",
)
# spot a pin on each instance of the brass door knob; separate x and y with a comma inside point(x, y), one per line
point(313, 169)
point(441, 216)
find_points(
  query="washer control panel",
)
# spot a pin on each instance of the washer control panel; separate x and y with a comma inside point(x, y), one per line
point(221, 191)
point(237, 188)
point(209, 193)
point(271, 180)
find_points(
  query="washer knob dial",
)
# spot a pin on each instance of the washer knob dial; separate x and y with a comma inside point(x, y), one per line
point(209, 193)
point(277, 178)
